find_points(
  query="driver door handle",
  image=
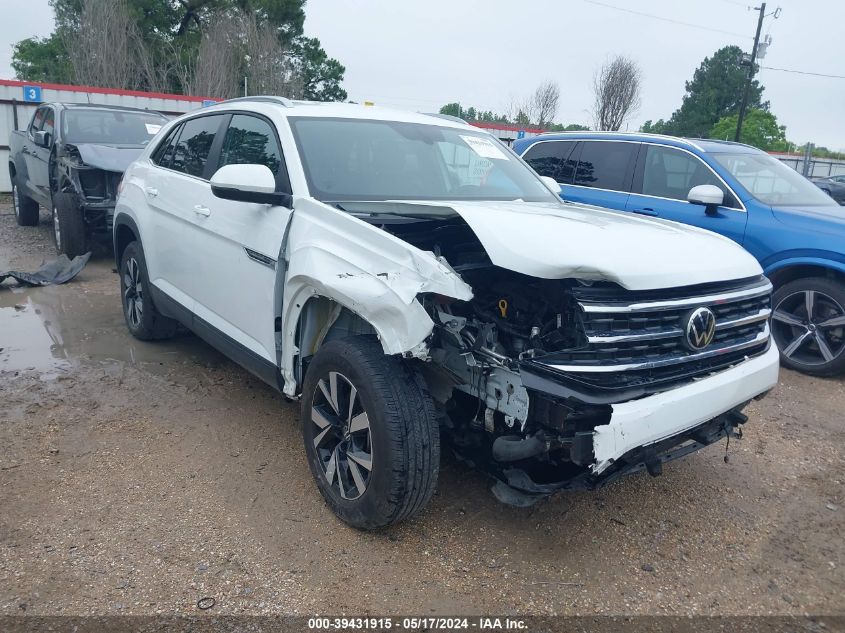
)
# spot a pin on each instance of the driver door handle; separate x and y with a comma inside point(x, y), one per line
point(202, 210)
point(646, 211)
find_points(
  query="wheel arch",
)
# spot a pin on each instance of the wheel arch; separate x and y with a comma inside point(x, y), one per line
point(125, 232)
point(789, 270)
point(319, 319)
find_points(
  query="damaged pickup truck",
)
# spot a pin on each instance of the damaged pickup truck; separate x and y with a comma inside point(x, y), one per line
point(70, 160)
point(408, 278)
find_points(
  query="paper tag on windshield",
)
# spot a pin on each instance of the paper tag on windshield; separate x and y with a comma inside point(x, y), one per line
point(484, 147)
point(152, 128)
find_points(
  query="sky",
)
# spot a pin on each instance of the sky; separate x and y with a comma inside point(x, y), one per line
point(419, 55)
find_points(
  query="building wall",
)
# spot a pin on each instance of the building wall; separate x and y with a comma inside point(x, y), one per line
point(16, 112)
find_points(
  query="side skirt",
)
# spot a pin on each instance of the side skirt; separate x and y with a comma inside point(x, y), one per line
point(258, 366)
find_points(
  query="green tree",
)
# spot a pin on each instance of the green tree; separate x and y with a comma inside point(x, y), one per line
point(172, 29)
point(656, 127)
point(320, 74)
point(452, 109)
point(714, 92)
point(41, 59)
point(760, 129)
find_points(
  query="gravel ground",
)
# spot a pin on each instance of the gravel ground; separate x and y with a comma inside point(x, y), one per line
point(138, 478)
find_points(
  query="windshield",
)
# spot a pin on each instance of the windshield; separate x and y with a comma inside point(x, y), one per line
point(110, 127)
point(362, 159)
point(772, 182)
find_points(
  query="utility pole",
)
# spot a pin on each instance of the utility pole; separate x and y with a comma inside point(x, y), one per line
point(744, 104)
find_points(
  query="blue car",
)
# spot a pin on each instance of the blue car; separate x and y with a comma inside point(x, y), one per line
point(795, 230)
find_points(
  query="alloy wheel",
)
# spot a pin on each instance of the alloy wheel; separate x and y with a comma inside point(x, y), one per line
point(809, 327)
point(342, 439)
point(133, 295)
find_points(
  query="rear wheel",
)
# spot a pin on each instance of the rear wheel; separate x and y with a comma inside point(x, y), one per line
point(142, 318)
point(808, 325)
point(26, 209)
point(69, 232)
point(370, 432)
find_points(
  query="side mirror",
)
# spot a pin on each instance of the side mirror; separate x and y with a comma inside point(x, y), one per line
point(248, 183)
point(708, 195)
point(552, 184)
point(42, 138)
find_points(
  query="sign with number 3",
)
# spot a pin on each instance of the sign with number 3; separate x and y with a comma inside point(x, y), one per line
point(32, 94)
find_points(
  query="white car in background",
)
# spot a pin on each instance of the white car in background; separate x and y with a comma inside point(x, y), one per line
point(408, 277)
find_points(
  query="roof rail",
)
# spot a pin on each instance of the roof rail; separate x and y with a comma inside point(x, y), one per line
point(448, 117)
point(282, 101)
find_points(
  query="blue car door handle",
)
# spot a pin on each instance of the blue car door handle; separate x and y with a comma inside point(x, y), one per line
point(646, 211)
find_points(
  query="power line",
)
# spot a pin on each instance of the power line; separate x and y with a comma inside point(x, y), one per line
point(803, 72)
point(663, 19)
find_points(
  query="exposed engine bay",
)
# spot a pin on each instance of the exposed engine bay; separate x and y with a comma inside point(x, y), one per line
point(93, 181)
point(532, 441)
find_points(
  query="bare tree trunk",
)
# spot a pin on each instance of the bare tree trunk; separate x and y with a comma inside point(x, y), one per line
point(616, 86)
point(102, 48)
point(544, 103)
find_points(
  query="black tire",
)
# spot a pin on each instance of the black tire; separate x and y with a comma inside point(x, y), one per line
point(813, 344)
point(70, 235)
point(26, 209)
point(402, 432)
point(142, 318)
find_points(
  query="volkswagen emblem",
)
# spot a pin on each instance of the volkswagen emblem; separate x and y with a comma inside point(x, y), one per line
point(700, 328)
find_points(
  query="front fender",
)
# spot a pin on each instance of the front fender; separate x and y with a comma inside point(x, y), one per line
point(364, 269)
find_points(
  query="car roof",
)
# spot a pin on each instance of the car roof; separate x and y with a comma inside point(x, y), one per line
point(103, 106)
point(290, 108)
point(702, 145)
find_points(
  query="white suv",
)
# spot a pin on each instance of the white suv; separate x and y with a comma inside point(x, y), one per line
point(408, 277)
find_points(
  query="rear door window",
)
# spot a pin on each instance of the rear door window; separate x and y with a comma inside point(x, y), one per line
point(191, 152)
point(606, 165)
point(552, 159)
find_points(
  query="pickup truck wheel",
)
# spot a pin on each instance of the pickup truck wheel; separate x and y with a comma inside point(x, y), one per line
point(69, 231)
point(808, 325)
point(370, 432)
point(26, 209)
point(142, 318)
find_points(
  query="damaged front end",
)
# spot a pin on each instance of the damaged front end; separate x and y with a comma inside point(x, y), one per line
point(550, 384)
point(92, 174)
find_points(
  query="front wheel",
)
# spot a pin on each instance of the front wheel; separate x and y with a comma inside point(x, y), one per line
point(808, 325)
point(69, 232)
point(370, 432)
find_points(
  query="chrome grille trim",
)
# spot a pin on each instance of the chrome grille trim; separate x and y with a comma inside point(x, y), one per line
point(674, 304)
point(712, 351)
point(761, 315)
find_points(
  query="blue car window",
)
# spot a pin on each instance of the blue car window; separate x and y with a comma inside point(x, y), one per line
point(671, 173)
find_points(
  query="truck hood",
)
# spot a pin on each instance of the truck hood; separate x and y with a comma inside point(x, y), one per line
point(556, 241)
point(108, 157)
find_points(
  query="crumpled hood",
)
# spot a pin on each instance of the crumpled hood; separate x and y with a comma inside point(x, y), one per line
point(569, 240)
point(108, 157)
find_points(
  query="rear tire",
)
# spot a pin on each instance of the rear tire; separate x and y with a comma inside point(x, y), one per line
point(26, 209)
point(70, 234)
point(375, 461)
point(810, 341)
point(142, 318)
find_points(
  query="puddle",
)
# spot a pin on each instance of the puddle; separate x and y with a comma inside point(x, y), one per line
point(49, 329)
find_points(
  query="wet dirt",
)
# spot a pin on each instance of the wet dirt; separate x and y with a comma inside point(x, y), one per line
point(140, 477)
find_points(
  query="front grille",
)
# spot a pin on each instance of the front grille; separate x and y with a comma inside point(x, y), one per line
point(636, 338)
